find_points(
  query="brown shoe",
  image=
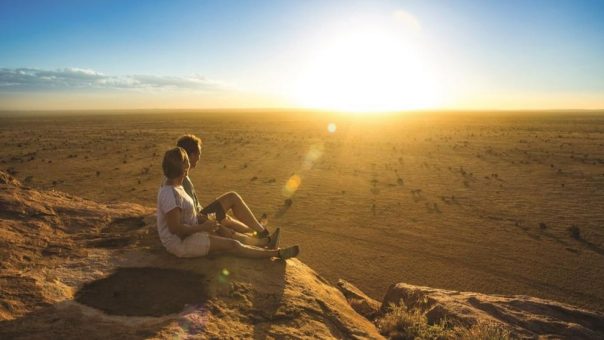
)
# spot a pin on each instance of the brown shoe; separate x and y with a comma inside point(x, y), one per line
point(273, 240)
point(289, 252)
point(262, 234)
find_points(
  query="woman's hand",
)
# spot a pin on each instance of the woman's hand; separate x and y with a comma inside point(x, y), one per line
point(184, 230)
point(209, 226)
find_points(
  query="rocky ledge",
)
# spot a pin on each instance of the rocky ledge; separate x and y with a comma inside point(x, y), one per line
point(74, 268)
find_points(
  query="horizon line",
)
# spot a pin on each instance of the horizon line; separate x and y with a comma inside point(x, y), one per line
point(275, 109)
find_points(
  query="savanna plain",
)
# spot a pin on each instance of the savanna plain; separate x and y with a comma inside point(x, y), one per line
point(499, 203)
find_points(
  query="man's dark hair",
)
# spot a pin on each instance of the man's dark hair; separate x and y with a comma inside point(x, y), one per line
point(190, 143)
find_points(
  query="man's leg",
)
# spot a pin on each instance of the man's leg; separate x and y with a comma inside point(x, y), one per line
point(252, 241)
point(236, 225)
point(232, 201)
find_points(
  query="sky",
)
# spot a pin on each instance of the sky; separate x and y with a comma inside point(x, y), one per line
point(358, 56)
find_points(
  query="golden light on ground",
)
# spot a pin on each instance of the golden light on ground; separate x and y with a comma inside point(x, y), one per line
point(331, 127)
point(373, 68)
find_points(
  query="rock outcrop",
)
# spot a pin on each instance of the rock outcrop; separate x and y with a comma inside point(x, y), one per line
point(523, 316)
point(359, 301)
point(74, 268)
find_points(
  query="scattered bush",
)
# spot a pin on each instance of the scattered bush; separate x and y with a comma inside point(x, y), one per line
point(575, 232)
point(483, 330)
point(401, 322)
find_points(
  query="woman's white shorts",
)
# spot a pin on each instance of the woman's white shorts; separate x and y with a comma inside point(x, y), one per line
point(194, 245)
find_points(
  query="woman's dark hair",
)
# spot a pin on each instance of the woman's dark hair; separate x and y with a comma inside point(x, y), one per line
point(175, 163)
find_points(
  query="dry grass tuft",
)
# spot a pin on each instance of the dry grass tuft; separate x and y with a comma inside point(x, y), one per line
point(483, 330)
point(574, 232)
point(401, 322)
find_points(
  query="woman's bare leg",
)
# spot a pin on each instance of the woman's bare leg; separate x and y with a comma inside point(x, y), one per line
point(252, 241)
point(230, 246)
point(232, 201)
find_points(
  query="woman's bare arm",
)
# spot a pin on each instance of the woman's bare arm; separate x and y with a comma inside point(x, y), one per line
point(184, 230)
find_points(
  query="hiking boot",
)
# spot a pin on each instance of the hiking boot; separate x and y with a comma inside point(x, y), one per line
point(289, 252)
point(273, 240)
point(262, 234)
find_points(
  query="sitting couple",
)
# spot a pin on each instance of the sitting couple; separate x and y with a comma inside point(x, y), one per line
point(187, 230)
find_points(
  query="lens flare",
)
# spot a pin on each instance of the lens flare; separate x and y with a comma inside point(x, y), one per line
point(223, 276)
point(293, 183)
point(291, 186)
point(331, 127)
point(315, 152)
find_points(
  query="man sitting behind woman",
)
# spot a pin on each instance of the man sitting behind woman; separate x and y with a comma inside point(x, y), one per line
point(184, 235)
point(244, 222)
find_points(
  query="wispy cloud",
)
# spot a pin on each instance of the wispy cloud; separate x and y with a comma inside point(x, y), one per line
point(24, 79)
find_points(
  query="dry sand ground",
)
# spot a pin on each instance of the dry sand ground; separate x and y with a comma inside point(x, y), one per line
point(463, 202)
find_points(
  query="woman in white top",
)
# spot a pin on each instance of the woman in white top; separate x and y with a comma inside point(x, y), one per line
point(177, 223)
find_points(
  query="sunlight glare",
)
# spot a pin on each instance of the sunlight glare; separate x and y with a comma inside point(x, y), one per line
point(367, 70)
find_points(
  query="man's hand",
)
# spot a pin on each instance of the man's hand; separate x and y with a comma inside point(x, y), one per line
point(201, 218)
point(209, 226)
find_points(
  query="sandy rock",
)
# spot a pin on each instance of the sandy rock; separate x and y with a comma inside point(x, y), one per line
point(524, 316)
point(74, 267)
point(359, 301)
point(8, 179)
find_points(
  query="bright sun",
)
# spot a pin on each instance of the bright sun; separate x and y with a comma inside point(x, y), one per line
point(368, 70)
